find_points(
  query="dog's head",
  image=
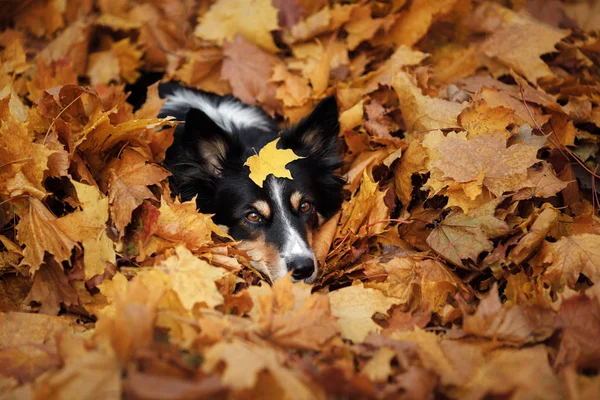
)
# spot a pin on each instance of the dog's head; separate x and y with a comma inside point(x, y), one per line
point(275, 223)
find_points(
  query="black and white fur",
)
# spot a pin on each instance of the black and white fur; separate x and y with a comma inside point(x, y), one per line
point(274, 224)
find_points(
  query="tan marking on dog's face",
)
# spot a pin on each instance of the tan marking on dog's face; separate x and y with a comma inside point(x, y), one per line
point(295, 199)
point(264, 257)
point(263, 208)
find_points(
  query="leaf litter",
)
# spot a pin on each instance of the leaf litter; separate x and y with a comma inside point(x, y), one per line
point(464, 262)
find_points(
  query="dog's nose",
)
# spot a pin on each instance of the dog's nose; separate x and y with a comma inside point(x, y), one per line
point(301, 268)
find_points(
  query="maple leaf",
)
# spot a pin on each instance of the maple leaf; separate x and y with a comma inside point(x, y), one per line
point(38, 231)
point(354, 307)
point(515, 324)
point(519, 45)
point(245, 361)
point(247, 68)
point(51, 288)
point(542, 183)
point(292, 316)
point(182, 223)
point(571, 256)
point(480, 119)
point(483, 158)
point(422, 112)
point(579, 321)
point(535, 237)
point(464, 236)
point(128, 57)
point(415, 23)
point(88, 227)
point(226, 18)
point(192, 279)
point(127, 185)
point(270, 161)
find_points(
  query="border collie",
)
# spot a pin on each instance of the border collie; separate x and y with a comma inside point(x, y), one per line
point(275, 223)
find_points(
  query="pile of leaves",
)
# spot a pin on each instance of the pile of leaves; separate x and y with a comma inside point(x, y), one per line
point(464, 262)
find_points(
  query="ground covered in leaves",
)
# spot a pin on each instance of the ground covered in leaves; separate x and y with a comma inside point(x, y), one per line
point(464, 263)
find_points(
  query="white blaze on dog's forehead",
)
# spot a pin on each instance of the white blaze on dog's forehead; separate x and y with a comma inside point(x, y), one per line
point(262, 207)
point(293, 244)
point(227, 114)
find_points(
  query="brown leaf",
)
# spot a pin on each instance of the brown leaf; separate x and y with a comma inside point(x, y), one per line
point(519, 45)
point(578, 320)
point(182, 223)
point(51, 288)
point(535, 237)
point(464, 236)
point(569, 257)
point(415, 23)
point(515, 324)
point(39, 232)
point(483, 160)
point(247, 68)
point(128, 185)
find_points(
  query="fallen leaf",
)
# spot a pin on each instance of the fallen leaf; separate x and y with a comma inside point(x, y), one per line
point(128, 185)
point(514, 324)
point(464, 236)
point(422, 112)
point(569, 257)
point(39, 231)
point(480, 119)
point(354, 307)
point(192, 279)
point(247, 68)
point(88, 227)
point(226, 18)
point(519, 45)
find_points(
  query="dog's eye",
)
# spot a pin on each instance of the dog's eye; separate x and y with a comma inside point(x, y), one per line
point(253, 217)
point(305, 207)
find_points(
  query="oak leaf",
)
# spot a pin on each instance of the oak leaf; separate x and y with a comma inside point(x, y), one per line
point(270, 161)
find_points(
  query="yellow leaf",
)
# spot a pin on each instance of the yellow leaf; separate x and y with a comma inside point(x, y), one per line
point(270, 160)
point(254, 20)
point(354, 307)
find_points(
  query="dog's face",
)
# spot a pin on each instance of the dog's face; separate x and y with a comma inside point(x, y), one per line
point(275, 223)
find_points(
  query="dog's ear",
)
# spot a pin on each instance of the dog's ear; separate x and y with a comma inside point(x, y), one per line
point(208, 140)
point(317, 134)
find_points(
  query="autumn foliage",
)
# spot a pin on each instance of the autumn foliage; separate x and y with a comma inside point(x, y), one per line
point(465, 260)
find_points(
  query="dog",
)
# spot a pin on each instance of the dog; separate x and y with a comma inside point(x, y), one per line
point(274, 224)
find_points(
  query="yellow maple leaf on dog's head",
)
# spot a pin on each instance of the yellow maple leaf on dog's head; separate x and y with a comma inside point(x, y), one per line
point(270, 160)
